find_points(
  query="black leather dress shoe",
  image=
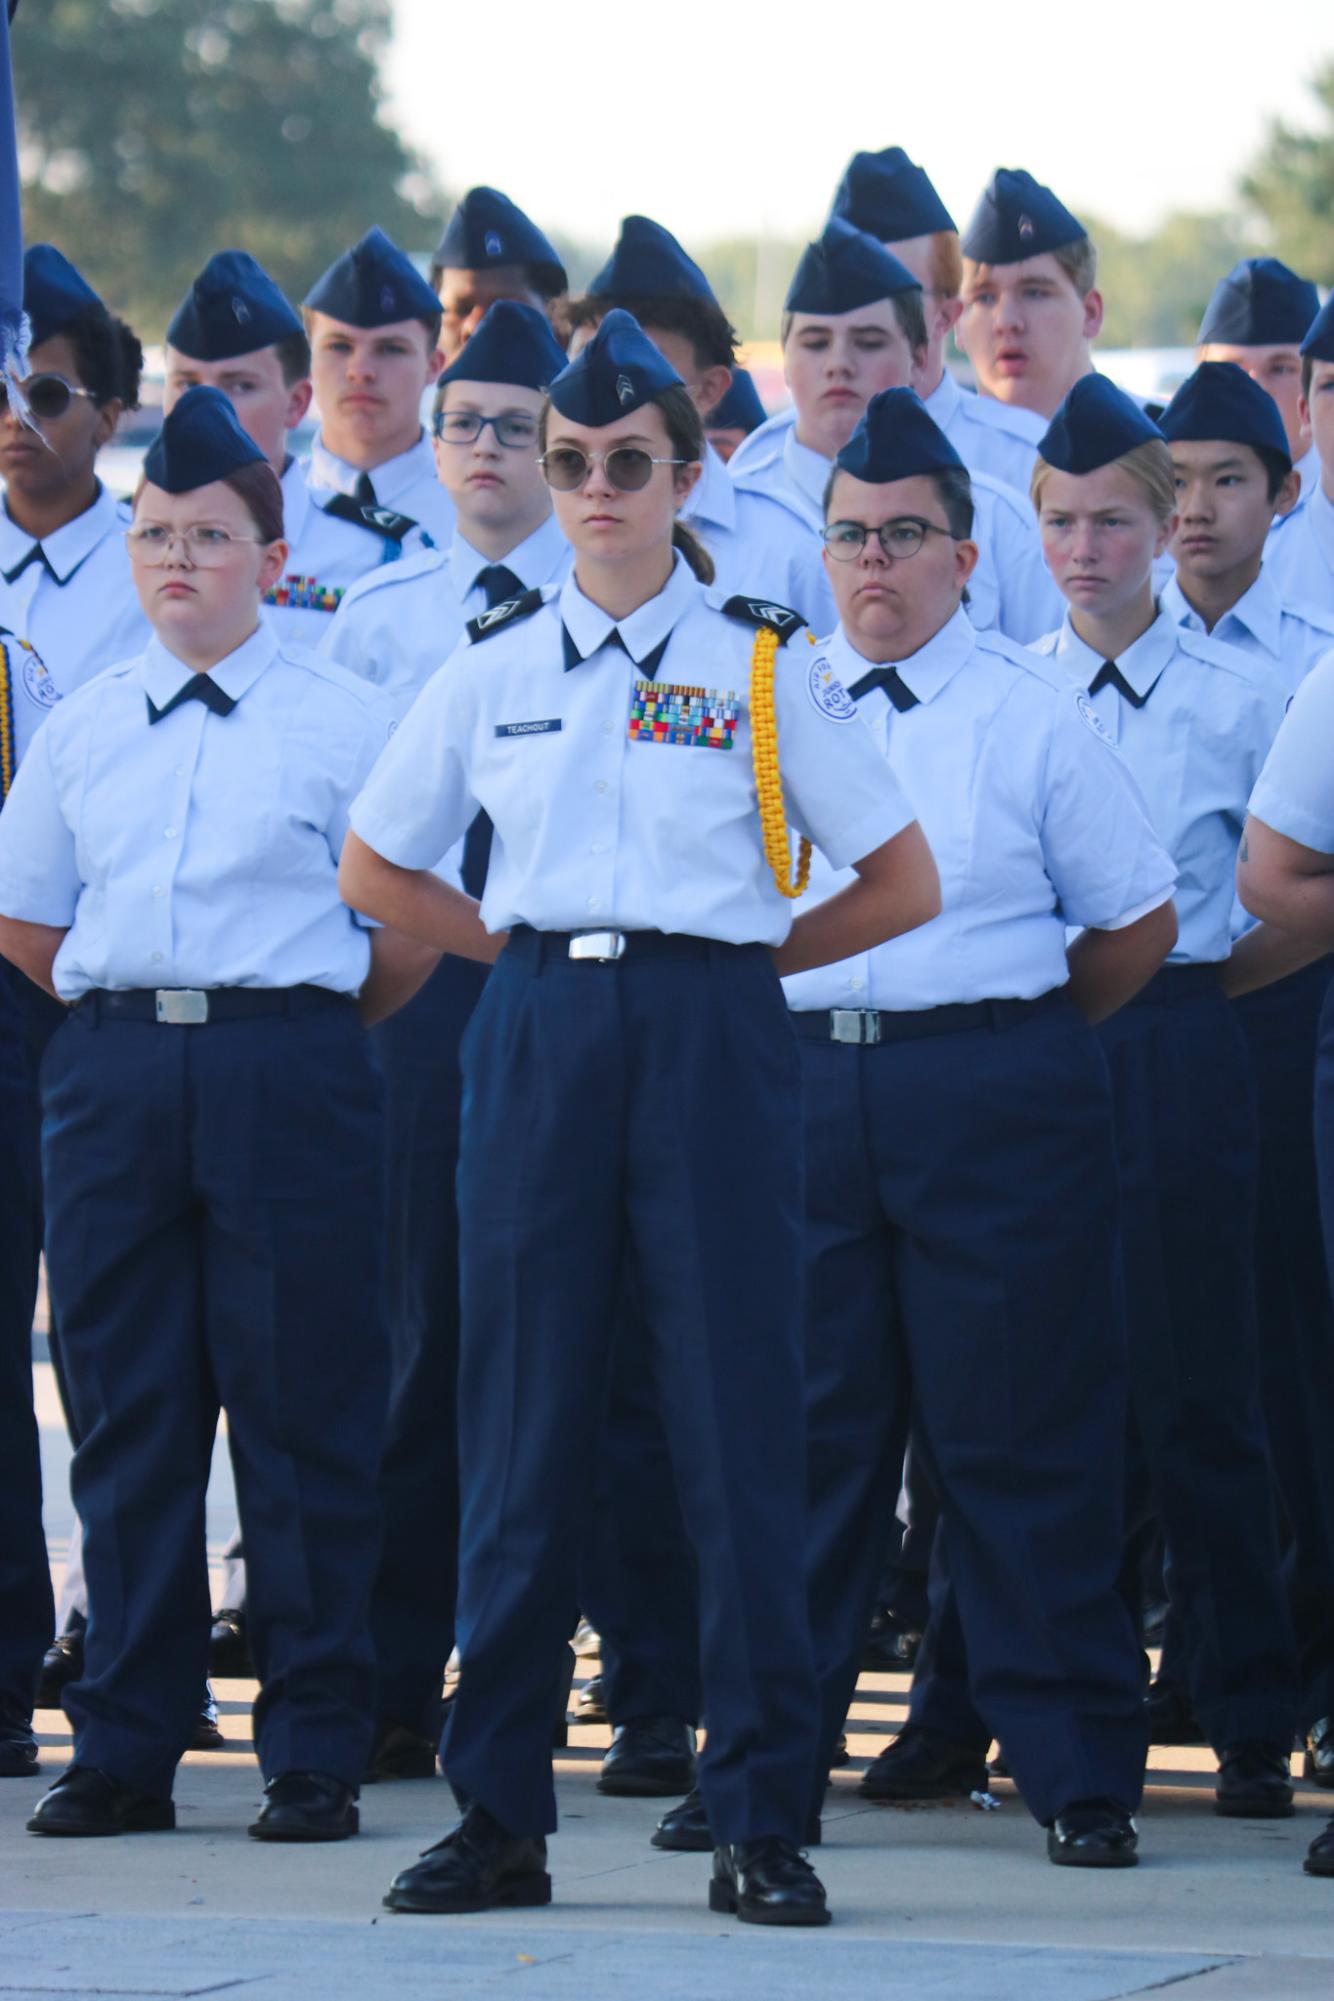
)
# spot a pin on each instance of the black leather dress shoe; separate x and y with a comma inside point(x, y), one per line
point(767, 1882)
point(922, 1765)
point(1319, 1765)
point(399, 1753)
point(229, 1648)
point(306, 1806)
point(84, 1801)
point(889, 1647)
point(1254, 1783)
point(651, 1759)
point(589, 1706)
point(18, 1746)
point(1093, 1834)
point(208, 1735)
point(686, 1828)
point(1320, 1855)
point(1171, 1717)
point(478, 1867)
point(61, 1663)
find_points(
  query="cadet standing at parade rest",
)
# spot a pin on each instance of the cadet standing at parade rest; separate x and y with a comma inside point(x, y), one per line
point(632, 1043)
point(1258, 317)
point(210, 1149)
point(1193, 720)
point(1301, 549)
point(395, 628)
point(373, 324)
point(236, 332)
point(1233, 470)
point(854, 324)
point(1285, 877)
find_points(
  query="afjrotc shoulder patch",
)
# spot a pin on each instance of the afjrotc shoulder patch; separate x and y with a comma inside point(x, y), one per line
point(699, 718)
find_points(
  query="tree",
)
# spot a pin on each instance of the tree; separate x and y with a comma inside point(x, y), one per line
point(1291, 186)
point(153, 132)
point(1157, 287)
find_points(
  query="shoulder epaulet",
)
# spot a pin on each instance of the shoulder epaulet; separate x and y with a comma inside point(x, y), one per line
point(1222, 653)
point(1316, 615)
point(507, 613)
point(759, 612)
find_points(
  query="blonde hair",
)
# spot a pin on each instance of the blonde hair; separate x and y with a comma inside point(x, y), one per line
point(1149, 465)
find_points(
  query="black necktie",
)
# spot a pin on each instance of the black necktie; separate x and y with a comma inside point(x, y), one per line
point(36, 554)
point(1109, 675)
point(645, 668)
point(199, 688)
point(499, 583)
point(893, 683)
point(364, 491)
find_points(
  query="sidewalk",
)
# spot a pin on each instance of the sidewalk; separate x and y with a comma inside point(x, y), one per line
point(933, 1902)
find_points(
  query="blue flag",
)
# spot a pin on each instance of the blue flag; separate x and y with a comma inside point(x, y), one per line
point(13, 326)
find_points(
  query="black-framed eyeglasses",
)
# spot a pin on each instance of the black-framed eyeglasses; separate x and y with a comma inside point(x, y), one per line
point(513, 428)
point(900, 538)
point(628, 467)
point(47, 396)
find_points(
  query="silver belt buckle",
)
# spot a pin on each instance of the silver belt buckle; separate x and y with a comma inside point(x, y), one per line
point(598, 945)
point(854, 1024)
point(182, 1007)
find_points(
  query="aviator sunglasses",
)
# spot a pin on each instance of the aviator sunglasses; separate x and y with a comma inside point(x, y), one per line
point(47, 396)
point(628, 467)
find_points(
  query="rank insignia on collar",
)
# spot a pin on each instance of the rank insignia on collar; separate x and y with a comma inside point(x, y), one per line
point(304, 594)
point(699, 718)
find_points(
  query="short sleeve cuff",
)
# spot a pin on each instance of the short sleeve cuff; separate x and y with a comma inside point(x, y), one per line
point(26, 903)
point(1286, 816)
point(867, 834)
point(1129, 917)
point(405, 847)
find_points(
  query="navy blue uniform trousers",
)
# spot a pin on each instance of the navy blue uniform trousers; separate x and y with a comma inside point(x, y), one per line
point(961, 1255)
point(1198, 1455)
point(213, 1238)
point(26, 1611)
point(638, 1581)
point(646, 1111)
point(1296, 1319)
point(412, 1611)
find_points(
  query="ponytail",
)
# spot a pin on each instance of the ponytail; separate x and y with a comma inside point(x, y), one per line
point(688, 542)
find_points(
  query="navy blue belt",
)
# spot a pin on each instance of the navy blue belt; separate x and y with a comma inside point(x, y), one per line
point(1177, 983)
point(196, 1007)
point(867, 1026)
point(606, 947)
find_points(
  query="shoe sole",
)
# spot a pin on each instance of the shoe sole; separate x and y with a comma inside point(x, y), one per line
point(669, 1788)
point(161, 1820)
point(525, 1893)
point(1318, 1865)
point(684, 1844)
point(726, 1904)
point(209, 1740)
point(264, 1831)
point(1095, 1861)
point(1254, 1809)
point(28, 1769)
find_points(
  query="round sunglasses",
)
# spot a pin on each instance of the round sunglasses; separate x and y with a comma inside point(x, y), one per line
point(628, 467)
point(47, 396)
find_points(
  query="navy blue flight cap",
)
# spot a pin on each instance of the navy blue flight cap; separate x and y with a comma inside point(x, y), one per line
point(1018, 217)
point(53, 291)
point(232, 308)
point(1220, 400)
point(890, 197)
point(897, 438)
point(373, 285)
point(618, 370)
point(1096, 424)
point(201, 440)
point(1260, 303)
point(649, 263)
point(843, 269)
point(1319, 342)
point(487, 229)
point(513, 343)
point(741, 408)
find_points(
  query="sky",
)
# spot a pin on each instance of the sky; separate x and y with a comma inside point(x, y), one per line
point(585, 113)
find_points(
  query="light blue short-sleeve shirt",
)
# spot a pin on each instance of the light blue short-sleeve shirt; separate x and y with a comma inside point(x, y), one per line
point(615, 764)
point(1294, 793)
point(201, 850)
point(1034, 820)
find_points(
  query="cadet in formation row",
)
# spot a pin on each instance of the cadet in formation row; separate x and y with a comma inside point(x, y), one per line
point(985, 1177)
